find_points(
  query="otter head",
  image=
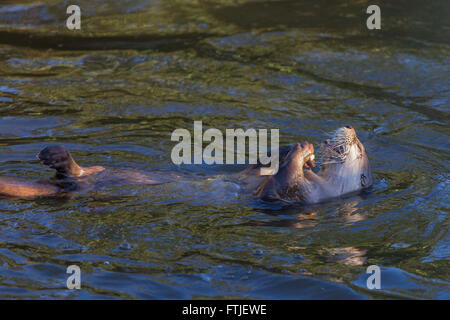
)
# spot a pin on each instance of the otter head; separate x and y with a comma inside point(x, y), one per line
point(285, 184)
point(344, 161)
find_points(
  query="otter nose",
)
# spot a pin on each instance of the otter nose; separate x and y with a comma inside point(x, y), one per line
point(349, 127)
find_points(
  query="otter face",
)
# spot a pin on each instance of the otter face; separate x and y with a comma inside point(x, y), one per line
point(344, 161)
point(340, 147)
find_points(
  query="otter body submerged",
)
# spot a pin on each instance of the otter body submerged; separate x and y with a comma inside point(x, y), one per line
point(345, 170)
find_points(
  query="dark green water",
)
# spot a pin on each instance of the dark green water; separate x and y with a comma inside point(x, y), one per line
point(114, 91)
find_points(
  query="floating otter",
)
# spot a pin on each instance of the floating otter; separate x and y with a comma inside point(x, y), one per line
point(345, 170)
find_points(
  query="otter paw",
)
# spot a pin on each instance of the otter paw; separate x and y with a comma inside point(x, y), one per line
point(58, 158)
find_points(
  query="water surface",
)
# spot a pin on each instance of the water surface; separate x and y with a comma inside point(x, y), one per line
point(114, 91)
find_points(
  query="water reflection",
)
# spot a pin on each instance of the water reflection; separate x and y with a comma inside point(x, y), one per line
point(300, 216)
point(349, 256)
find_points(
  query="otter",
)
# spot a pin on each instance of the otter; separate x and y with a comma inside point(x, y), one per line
point(70, 177)
point(345, 170)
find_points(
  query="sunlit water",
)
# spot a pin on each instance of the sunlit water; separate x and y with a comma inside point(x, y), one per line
point(114, 91)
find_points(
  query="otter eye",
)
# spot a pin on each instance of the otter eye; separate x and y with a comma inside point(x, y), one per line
point(349, 127)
